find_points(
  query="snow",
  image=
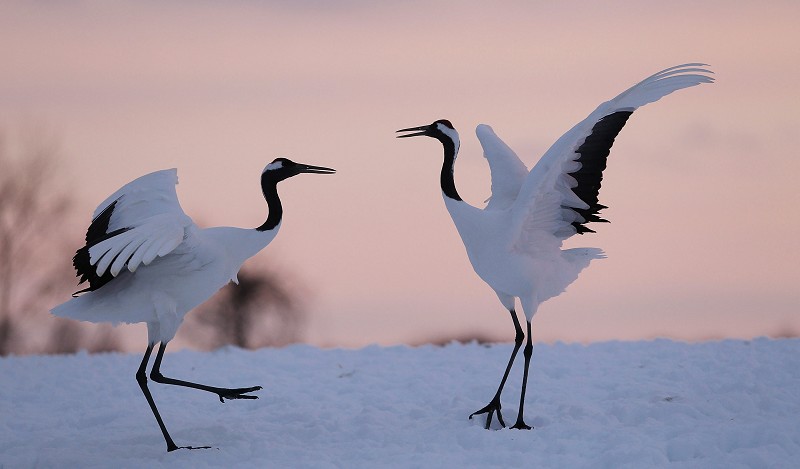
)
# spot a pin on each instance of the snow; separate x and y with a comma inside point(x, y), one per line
point(616, 404)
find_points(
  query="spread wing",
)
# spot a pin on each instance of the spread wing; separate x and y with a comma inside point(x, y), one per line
point(141, 221)
point(560, 195)
point(508, 172)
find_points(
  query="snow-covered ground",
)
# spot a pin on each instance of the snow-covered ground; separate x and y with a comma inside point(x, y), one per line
point(617, 404)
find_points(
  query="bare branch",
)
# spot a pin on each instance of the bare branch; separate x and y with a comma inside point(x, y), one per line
point(34, 256)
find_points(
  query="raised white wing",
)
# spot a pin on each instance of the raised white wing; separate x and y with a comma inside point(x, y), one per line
point(508, 171)
point(142, 198)
point(139, 222)
point(559, 195)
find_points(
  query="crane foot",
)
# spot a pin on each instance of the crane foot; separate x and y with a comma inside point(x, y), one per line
point(237, 393)
point(490, 408)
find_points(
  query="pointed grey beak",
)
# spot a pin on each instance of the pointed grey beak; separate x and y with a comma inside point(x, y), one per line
point(307, 168)
point(417, 131)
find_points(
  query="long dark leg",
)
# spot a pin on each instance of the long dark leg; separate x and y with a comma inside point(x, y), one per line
point(520, 425)
point(223, 393)
point(494, 405)
point(141, 377)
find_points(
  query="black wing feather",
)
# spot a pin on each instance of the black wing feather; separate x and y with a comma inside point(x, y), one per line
point(593, 156)
point(97, 232)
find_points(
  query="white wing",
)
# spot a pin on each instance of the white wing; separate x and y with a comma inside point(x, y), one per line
point(548, 208)
point(508, 172)
point(139, 222)
point(143, 197)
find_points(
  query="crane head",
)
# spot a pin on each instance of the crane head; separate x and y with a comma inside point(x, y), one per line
point(440, 130)
point(283, 168)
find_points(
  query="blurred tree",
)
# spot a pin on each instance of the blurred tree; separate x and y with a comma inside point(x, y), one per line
point(34, 255)
point(264, 309)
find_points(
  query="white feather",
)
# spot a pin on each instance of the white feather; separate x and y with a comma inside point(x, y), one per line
point(508, 171)
point(164, 231)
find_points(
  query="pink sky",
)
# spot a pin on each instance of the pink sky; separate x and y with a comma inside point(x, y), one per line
point(702, 186)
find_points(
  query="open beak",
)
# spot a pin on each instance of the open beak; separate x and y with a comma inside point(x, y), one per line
point(307, 168)
point(417, 131)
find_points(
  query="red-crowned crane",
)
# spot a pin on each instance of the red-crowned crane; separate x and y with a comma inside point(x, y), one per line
point(514, 243)
point(146, 261)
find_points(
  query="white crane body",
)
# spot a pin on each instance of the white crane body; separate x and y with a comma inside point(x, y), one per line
point(509, 270)
point(161, 293)
point(159, 288)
